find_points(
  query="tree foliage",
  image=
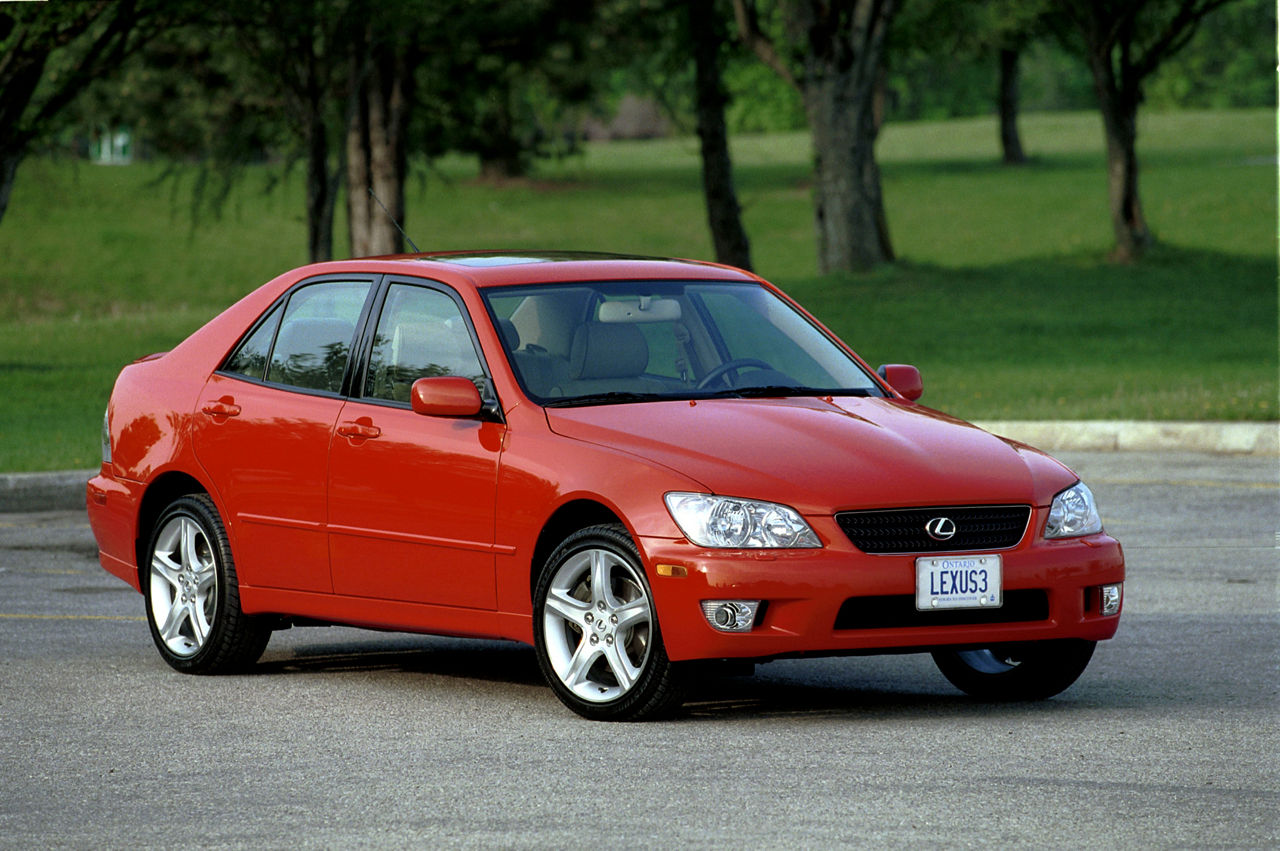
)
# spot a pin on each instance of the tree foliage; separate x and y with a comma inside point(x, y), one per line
point(355, 90)
point(51, 52)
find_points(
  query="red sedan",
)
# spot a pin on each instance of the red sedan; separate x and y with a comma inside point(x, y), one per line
point(634, 465)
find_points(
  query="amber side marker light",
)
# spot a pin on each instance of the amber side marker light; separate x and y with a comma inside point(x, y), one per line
point(677, 571)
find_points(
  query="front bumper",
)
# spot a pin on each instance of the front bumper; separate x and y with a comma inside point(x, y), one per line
point(817, 601)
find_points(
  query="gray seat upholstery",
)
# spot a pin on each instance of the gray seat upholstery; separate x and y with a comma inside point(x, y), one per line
point(608, 357)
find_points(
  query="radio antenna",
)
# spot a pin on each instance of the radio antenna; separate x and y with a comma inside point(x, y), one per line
point(375, 197)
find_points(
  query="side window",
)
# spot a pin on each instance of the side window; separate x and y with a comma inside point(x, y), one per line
point(314, 341)
point(421, 333)
point(250, 359)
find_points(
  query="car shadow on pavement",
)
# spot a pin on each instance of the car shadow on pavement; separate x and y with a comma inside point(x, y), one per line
point(490, 661)
point(878, 687)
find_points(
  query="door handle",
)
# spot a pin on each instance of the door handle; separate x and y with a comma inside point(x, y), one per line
point(224, 407)
point(362, 429)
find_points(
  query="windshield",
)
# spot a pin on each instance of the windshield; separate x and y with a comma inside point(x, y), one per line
point(602, 343)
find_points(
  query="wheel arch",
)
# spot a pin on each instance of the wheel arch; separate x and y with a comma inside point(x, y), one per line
point(567, 519)
point(162, 491)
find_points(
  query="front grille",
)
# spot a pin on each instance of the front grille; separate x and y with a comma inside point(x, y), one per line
point(900, 612)
point(902, 530)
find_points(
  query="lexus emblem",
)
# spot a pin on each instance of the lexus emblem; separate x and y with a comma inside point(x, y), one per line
point(941, 528)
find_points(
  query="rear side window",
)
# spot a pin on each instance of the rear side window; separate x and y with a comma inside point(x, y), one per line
point(307, 342)
point(250, 359)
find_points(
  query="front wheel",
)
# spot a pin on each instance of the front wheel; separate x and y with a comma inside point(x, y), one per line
point(596, 631)
point(192, 596)
point(1031, 671)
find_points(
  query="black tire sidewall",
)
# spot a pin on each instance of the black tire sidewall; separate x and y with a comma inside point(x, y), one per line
point(1047, 668)
point(232, 635)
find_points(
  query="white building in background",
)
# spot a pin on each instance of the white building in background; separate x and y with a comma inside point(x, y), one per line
point(111, 146)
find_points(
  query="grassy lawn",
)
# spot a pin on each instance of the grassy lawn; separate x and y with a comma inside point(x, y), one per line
point(1002, 297)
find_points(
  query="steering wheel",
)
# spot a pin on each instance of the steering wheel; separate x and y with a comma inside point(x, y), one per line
point(718, 372)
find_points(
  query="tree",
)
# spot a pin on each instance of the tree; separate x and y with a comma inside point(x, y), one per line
point(1124, 42)
point(724, 215)
point(301, 50)
point(383, 78)
point(79, 42)
point(502, 74)
point(943, 52)
point(832, 52)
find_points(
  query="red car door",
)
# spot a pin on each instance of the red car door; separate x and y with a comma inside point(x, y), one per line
point(263, 428)
point(411, 497)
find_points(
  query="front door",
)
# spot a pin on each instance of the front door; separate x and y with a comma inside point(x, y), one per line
point(411, 497)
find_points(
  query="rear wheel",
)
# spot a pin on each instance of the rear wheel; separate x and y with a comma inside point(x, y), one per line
point(1031, 671)
point(596, 630)
point(192, 595)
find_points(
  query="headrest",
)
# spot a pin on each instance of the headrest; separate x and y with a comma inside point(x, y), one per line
point(509, 333)
point(608, 351)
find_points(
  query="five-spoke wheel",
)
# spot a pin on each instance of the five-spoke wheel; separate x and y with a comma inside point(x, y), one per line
point(192, 597)
point(596, 631)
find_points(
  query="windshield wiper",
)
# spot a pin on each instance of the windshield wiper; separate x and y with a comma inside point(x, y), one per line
point(783, 390)
point(613, 397)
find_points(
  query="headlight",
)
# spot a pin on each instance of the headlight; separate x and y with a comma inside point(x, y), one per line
point(720, 521)
point(1074, 513)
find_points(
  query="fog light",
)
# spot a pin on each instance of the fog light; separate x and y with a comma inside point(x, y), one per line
point(731, 615)
point(1110, 598)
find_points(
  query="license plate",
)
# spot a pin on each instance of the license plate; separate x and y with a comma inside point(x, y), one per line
point(958, 582)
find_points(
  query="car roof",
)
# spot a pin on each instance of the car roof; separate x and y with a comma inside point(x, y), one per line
point(498, 268)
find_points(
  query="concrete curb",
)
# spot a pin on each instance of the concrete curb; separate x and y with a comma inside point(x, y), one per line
point(65, 491)
point(1139, 436)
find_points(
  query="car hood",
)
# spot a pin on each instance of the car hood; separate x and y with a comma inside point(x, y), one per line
point(823, 455)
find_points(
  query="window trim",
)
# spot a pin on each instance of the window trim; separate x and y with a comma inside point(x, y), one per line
point(359, 364)
point(282, 301)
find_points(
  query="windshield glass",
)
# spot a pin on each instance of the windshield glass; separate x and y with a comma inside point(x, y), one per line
point(602, 343)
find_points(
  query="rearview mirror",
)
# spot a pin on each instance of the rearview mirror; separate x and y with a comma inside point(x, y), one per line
point(446, 396)
point(903, 378)
point(643, 309)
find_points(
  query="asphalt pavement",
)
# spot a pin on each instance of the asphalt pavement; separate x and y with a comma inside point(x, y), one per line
point(344, 738)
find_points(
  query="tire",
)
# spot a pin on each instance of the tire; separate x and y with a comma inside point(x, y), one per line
point(1010, 672)
point(192, 596)
point(596, 630)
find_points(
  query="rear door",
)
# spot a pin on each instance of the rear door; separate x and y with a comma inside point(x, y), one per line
point(264, 426)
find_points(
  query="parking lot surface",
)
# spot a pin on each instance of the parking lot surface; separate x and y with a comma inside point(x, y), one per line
point(348, 738)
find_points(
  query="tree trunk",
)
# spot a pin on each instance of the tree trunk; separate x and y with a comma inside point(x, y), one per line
point(319, 189)
point(852, 230)
point(359, 204)
point(9, 161)
point(724, 215)
point(376, 158)
point(1010, 141)
point(1118, 104)
point(387, 118)
point(840, 48)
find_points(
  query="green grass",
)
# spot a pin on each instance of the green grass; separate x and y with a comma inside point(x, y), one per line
point(1002, 297)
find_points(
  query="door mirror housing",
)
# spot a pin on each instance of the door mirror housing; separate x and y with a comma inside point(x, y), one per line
point(446, 396)
point(904, 378)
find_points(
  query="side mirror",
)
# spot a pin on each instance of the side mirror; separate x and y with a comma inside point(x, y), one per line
point(903, 378)
point(446, 396)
